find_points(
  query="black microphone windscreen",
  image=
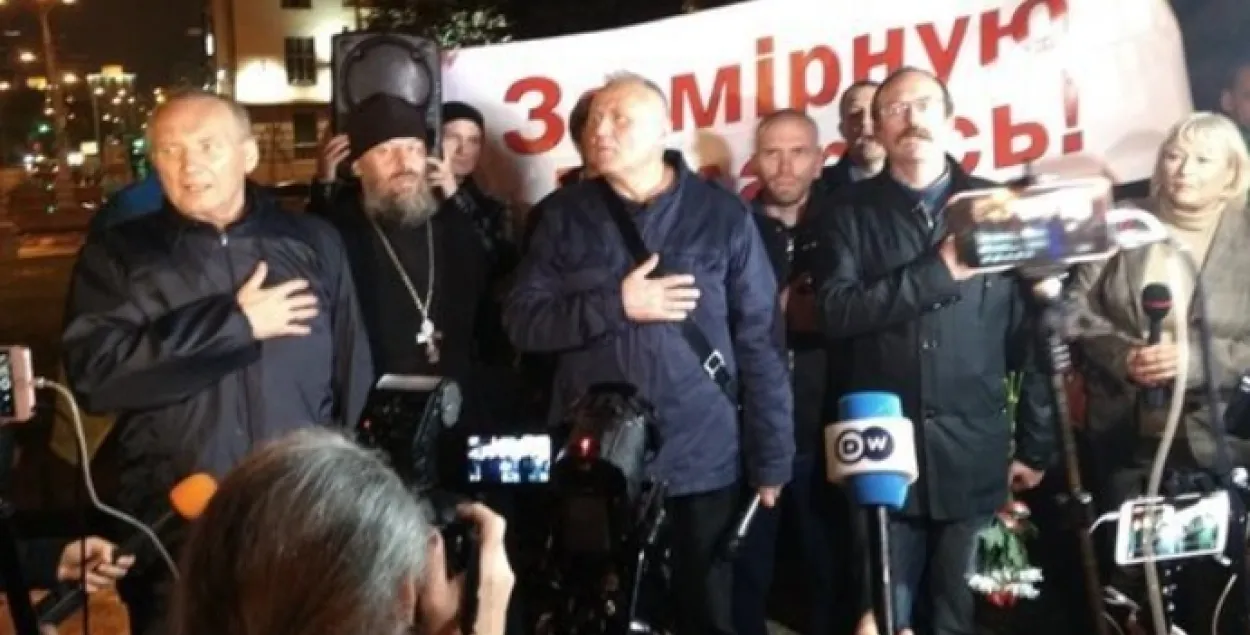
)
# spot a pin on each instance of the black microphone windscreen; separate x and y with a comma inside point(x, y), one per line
point(1156, 300)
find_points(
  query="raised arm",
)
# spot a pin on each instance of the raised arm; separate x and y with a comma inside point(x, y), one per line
point(852, 304)
point(119, 358)
point(551, 309)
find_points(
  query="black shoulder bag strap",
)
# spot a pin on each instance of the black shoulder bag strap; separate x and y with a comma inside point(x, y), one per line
point(711, 360)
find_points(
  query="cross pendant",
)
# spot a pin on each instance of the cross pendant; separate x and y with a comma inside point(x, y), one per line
point(429, 337)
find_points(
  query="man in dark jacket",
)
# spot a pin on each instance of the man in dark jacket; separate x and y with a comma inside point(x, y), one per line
point(213, 325)
point(580, 293)
point(788, 159)
point(943, 338)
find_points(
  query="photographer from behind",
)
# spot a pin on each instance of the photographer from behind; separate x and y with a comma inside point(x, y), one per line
point(315, 535)
point(582, 293)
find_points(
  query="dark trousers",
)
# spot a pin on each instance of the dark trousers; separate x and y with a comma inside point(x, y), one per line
point(936, 557)
point(814, 519)
point(702, 583)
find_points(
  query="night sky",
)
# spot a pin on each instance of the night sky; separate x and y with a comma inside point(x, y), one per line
point(148, 37)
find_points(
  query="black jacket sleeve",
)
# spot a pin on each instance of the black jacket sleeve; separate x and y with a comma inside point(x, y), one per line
point(353, 376)
point(852, 303)
point(321, 196)
point(1035, 410)
point(119, 358)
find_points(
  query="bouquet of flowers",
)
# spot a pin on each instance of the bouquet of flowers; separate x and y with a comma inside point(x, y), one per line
point(1002, 572)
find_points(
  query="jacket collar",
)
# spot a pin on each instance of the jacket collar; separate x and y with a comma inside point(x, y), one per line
point(257, 206)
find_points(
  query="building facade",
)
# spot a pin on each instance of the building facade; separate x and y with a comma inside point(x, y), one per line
point(273, 56)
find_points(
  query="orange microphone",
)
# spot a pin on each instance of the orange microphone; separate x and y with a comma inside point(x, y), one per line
point(187, 501)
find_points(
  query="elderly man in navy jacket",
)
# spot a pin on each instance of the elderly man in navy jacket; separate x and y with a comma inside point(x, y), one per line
point(582, 294)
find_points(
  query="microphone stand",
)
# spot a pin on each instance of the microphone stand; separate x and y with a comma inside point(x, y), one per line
point(883, 579)
point(25, 622)
point(1048, 290)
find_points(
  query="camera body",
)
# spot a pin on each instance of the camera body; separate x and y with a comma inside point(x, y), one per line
point(606, 561)
point(405, 418)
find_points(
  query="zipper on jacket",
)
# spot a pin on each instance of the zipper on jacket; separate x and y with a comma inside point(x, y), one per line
point(247, 423)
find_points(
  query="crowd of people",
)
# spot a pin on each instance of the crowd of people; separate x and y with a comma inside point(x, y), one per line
point(225, 333)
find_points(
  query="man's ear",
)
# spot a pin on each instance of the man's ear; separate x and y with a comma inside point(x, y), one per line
point(251, 155)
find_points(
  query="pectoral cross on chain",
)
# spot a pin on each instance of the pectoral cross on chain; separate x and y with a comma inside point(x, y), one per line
point(429, 336)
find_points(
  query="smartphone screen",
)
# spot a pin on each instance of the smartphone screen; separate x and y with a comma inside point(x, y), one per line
point(8, 389)
point(1050, 223)
point(1182, 527)
point(509, 460)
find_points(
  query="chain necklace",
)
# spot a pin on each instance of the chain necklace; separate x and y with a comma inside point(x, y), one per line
point(428, 335)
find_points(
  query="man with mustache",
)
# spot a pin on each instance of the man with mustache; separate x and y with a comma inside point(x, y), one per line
point(864, 156)
point(419, 264)
point(943, 338)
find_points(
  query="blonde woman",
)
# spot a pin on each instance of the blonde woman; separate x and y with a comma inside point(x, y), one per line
point(1199, 192)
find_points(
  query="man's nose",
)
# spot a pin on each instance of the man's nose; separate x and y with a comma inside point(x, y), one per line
point(865, 126)
point(602, 128)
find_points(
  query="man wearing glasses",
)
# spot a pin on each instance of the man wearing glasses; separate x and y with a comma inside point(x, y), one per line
point(943, 338)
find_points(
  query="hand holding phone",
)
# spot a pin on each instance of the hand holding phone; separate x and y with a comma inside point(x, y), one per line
point(17, 385)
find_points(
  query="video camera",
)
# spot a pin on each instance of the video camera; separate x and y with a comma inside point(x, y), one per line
point(405, 418)
point(605, 566)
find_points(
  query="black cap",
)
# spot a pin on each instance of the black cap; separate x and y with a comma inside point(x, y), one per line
point(455, 110)
point(379, 119)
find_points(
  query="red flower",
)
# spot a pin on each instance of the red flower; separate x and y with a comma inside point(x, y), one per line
point(1002, 599)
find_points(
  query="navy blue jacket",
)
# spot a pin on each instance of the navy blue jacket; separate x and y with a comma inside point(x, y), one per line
point(567, 300)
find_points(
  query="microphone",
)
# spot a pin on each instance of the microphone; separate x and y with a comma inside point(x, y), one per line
point(1156, 303)
point(873, 449)
point(187, 501)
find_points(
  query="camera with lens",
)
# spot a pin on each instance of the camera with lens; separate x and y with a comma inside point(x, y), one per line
point(605, 565)
point(406, 418)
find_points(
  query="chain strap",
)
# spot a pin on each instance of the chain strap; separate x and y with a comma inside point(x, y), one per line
point(422, 307)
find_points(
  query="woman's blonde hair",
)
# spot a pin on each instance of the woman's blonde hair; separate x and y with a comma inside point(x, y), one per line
point(1214, 131)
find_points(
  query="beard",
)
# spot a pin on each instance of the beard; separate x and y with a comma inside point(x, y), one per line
point(410, 207)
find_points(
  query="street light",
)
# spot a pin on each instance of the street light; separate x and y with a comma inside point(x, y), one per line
point(64, 184)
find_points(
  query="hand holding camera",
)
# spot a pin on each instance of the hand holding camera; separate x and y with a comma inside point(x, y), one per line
point(440, 597)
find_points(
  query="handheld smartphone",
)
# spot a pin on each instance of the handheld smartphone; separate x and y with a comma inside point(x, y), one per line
point(1186, 526)
point(1048, 223)
point(509, 460)
point(17, 385)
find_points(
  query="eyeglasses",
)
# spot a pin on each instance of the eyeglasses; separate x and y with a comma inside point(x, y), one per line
point(899, 108)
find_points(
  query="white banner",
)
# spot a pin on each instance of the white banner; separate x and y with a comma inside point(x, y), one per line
point(1031, 79)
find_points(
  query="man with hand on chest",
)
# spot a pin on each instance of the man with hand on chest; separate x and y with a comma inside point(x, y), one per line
point(420, 270)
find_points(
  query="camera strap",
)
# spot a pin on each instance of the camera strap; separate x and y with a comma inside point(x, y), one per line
point(711, 360)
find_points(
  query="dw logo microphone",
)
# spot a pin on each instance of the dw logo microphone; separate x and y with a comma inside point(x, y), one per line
point(873, 451)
